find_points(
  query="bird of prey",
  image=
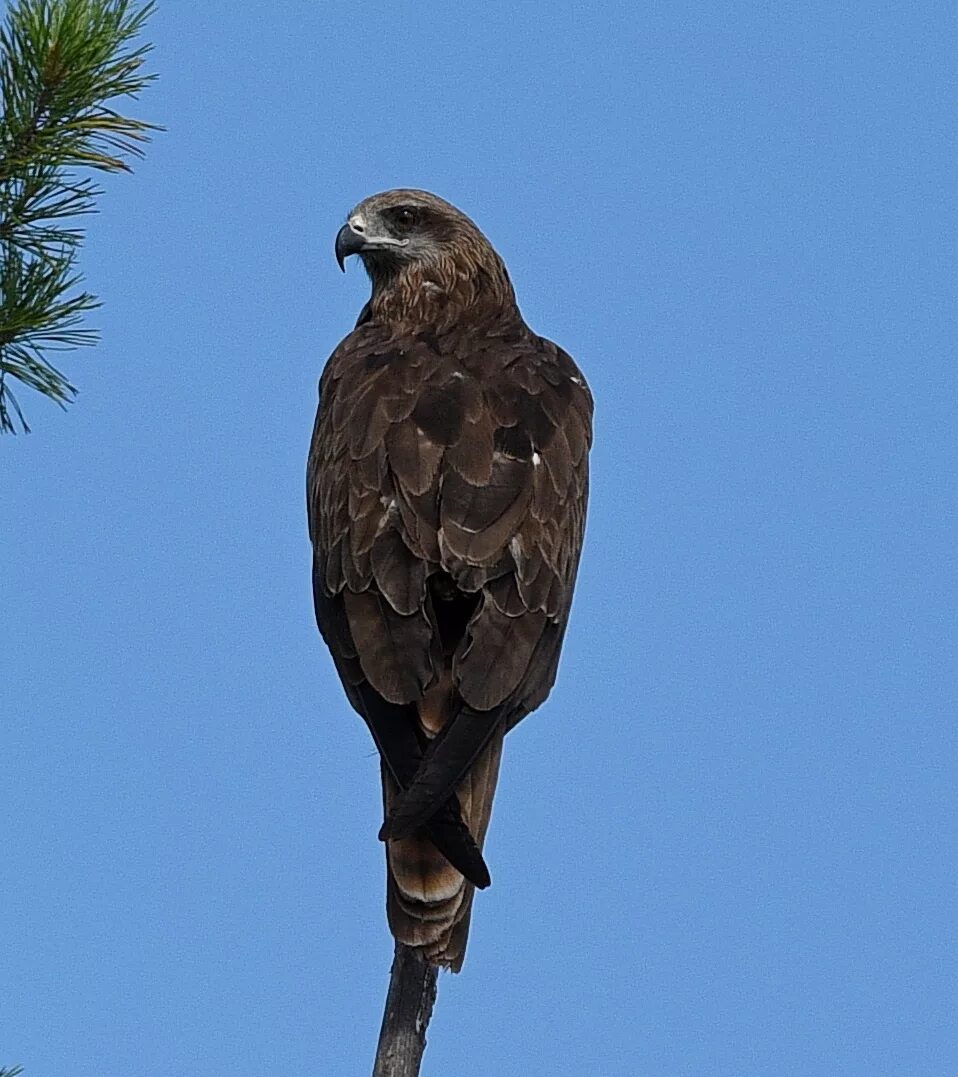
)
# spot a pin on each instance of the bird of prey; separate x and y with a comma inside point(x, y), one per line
point(446, 489)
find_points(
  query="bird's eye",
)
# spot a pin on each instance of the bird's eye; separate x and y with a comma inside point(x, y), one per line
point(405, 217)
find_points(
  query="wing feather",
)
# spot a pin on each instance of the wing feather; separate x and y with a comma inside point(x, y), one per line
point(395, 652)
point(496, 655)
point(413, 458)
point(399, 575)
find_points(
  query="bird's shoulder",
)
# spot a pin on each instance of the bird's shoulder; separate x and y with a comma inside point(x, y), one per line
point(507, 367)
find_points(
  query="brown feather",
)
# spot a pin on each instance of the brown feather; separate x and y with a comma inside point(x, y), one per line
point(394, 651)
point(400, 576)
point(412, 457)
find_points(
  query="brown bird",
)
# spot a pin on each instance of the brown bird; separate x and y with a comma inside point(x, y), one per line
point(446, 489)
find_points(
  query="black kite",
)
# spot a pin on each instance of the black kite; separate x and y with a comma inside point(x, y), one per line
point(447, 486)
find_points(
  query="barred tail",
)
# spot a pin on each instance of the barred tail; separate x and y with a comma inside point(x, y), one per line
point(428, 902)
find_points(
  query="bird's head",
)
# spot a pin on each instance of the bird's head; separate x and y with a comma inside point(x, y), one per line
point(417, 248)
point(404, 226)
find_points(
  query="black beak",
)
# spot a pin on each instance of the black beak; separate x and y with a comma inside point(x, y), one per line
point(348, 242)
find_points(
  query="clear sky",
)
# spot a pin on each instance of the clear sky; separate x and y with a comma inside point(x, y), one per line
point(727, 844)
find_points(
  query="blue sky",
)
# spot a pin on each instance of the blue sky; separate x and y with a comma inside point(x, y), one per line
point(727, 844)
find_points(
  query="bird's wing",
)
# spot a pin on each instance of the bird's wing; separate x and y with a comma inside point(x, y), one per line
point(367, 558)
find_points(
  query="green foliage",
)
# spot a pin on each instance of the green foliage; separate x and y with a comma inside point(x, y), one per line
point(61, 63)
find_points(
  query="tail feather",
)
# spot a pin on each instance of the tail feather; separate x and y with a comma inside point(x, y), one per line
point(428, 901)
point(444, 764)
point(450, 835)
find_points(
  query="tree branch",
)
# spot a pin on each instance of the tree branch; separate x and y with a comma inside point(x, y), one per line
point(409, 1003)
point(61, 63)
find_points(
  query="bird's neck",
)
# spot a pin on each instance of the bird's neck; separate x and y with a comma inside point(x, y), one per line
point(438, 297)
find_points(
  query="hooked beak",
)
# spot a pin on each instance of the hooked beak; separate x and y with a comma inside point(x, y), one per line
point(348, 242)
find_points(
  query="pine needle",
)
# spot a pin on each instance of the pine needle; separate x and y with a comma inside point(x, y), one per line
point(61, 63)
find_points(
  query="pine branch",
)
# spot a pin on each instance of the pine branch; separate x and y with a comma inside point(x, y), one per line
point(15, 1071)
point(61, 63)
